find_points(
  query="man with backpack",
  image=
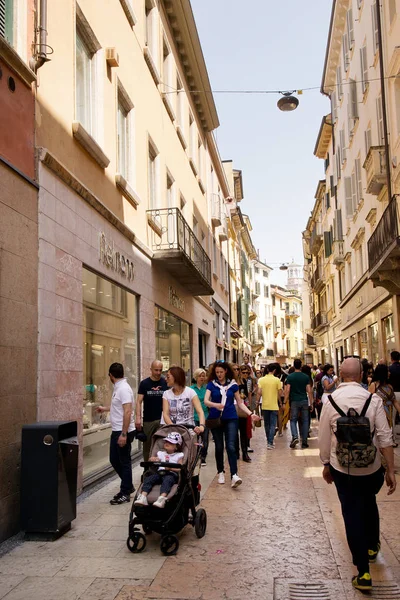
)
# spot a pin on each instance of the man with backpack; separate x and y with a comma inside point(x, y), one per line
point(353, 425)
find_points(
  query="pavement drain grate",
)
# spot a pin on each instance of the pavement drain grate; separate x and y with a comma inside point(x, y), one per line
point(288, 589)
point(388, 590)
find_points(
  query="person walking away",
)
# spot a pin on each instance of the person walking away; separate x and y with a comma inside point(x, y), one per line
point(328, 382)
point(357, 482)
point(242, 382)
point(166, 476)
point(122, 431)
point(318, 390)
point(200, 388)
point(284, 409)
point(269, 389)
point(149, 397)
point(394, 378)
point(298, 392)
point(222, 391)
point(381, 386)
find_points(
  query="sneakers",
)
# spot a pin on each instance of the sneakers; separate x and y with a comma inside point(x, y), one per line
point(203, 462)
point(305, 445)
point(141, 500)
point(362, 582)
point(236, 481)
point(372, 554)
point(221, 477)
point(294, 442)
point(120, 493)
point(120, 500)
point(160, 503)
point(270, 447)
point(250, 450)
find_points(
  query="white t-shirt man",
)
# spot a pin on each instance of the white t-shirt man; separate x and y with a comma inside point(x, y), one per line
point(181, 409)
point(122, 394)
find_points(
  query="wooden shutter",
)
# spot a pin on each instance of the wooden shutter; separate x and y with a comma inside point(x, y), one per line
point(327, 201)
point(346, 50)
point(339, 82)
point(3, 18)
point(379, 116)
point(348, 197)
point(358, 179)
point(328, 243)
point(354, 192)
point(375, 33)
point(342, 142)
point(368, 140)
point(338, 164)
point(364, 69)
point(338, 226)
point(350, 28)
point(332, 185)
point(334, 107)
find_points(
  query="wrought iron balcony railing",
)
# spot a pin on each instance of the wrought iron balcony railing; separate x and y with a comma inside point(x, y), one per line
point(175, 245)
point(386, 232)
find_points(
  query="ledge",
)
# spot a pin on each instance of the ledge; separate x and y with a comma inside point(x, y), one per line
point(128, 10)
point(89, 144)
point(201, 185)
point(126, 190)
point(15, 62)
point(79, 188)
point(168, 106)
point(152, 65)
point(193, 166)
point(181, 137)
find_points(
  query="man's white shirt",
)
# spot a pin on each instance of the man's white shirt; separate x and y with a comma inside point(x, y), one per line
point(122, 394)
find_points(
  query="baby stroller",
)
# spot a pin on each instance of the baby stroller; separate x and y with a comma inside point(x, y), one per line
point(183, 498)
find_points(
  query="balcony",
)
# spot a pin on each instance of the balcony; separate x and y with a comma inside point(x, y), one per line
point(316, 239)
point(257, 342)
point(384, 250)
point(223, 230)
point(319, 321)
point(375, 167)
point(310, 341)
point(317, 280)
point(292, 313)
point(338, 253)
point(178, 250)
point(216, 210)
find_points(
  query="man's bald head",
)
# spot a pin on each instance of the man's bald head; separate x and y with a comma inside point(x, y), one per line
point(156, 368)
point(350, 370)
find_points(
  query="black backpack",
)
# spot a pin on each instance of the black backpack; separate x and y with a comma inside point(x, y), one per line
point(355, 446)
point(320, 389)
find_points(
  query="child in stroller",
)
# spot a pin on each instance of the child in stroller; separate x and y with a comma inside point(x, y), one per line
point(179, 504)
point(166, 476)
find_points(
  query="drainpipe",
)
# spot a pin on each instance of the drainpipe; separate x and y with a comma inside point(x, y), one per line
point(41, 56)
point(383, 96)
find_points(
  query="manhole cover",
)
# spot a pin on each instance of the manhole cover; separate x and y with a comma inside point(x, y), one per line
point(289, 589)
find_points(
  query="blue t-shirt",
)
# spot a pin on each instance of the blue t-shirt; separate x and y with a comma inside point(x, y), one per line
point(229, 411)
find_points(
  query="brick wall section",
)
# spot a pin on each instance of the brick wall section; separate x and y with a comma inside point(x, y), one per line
point(18, 333)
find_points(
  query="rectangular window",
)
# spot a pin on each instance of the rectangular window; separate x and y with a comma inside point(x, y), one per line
point(124, 134)
point(342, 142)
point(167, 69)
point(173, 341)
point(339, 82)
point(153, 177)
point(368, 139)
point(85, 85)
point(346, 51)
point(7, 20)
point(152, 33)
point(358, 173)
point(348, 196)
point(374, 342)
point(353, 104)
point(388, 328)
point(375, 32)
point(350, 28)
point(360, 262)
point(110, 334)
point(266, 291)
point(354, 192)
point(171, 194)
point(379, 117)
point(180, 106)
point(338, 163)
point(364, 69)
point(328, 243)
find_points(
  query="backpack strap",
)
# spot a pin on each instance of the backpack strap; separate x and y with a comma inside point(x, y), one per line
point(366, 406)
point(335, 406)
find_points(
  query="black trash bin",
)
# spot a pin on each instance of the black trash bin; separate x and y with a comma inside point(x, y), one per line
point(49, 469)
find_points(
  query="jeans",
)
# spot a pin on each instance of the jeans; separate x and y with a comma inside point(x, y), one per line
point(149, 428)
point(270, 421)
point(167, 480)
point(228, 431)
point(357, 495)
point(244, 440)
point(295, 408)
point(120, 459)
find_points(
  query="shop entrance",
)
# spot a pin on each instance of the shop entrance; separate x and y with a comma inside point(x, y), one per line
point(202, 350)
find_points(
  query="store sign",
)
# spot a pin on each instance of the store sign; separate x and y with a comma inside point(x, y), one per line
point(110, 257)
point(175, 300)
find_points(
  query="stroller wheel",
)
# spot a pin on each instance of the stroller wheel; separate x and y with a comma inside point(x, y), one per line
point(200, 522)
point(147, 529)
point(136, 542)
point(169, 545)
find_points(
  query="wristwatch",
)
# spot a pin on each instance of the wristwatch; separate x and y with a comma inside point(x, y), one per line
point(123, 434)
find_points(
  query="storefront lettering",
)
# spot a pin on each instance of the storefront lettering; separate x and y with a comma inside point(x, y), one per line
point(110, 257)
point(175, 300)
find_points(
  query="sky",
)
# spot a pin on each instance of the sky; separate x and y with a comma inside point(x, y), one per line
point(269, 45)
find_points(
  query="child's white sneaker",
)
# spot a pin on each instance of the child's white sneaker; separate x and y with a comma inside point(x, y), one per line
point(236, 481)
point(141, 500)
point(221, 477)
point(160, 503)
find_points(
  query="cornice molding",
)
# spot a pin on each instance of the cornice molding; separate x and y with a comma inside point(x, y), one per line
point(334, 45)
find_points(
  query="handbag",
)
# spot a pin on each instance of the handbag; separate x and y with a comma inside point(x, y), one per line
point(213, 423)
point(257, 412)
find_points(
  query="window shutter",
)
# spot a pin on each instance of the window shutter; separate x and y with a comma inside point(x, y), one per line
point(358, 179)
point(342, 145)
point(338, 232)
point(364, 69)
point(379, 116)
point(354, 191)
point(327, 201)
point(338, 164)
point(339, 82)
point(3, 18)
point(375, 33)
point(332, 185)
point(345, 43)
point(334, 106)
point(348, 196)
point(368, 140)
point(392, 10)
point(350, 28)
point(327, 243)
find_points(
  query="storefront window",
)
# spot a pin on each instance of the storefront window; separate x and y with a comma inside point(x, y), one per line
point(363, 342)
point(173, 342)
point(354, 345)
point(109, 335)
point(389, 335)
point(373, 336)
point(346, 347)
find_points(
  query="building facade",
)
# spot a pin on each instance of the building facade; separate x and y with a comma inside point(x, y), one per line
point(352, 236)
point(262, 337)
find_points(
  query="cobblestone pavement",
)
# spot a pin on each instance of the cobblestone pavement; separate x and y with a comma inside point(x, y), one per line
point(282, 527)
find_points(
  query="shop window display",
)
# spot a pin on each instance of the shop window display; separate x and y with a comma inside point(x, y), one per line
point(109, 335)
point(389, 335)
point(172, 341)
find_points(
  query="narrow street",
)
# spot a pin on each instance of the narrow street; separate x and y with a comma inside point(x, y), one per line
point(282, 527)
